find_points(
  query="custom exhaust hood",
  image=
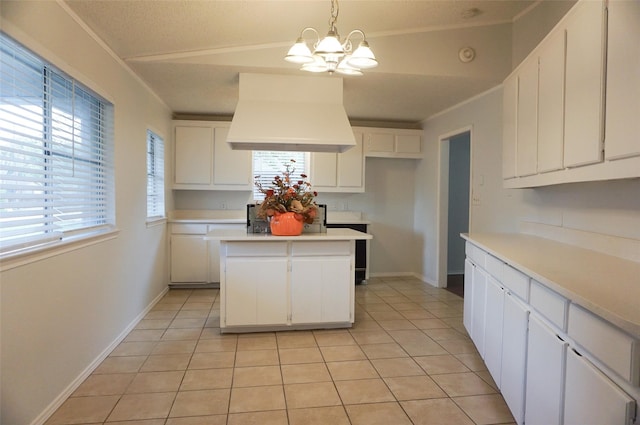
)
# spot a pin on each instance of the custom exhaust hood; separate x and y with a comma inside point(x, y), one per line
point(290, 113)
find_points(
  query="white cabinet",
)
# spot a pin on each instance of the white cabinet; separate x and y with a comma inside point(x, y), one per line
point(551, 104)
point(467, 317)
point(204, 161)
point(189, 257)
point(318, 290)
point(258, 295)
point(493, 329)
point(527, 121)
point(545, 375)
point(478, 309)
point(623, 80)
point(592, 398)
point(584, 89)
point(213, 248)
point(392, 143)
point(509, 125)
point(231, 168)
point(339, 172)
point(193, 155)
point(514, 355)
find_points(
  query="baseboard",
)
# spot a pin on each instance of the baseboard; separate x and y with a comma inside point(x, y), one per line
point(400, 275)
point(66, 393)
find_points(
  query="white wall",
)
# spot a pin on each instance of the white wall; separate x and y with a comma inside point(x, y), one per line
point(60, 314)
point(498, 207)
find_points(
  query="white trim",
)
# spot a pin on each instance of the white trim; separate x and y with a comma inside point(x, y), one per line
point(62, 397)
point(156, 221)
point(62, 246)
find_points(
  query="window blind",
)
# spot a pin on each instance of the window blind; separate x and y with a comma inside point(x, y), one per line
point(268, 164)
point(155, 176)
point(56, 171)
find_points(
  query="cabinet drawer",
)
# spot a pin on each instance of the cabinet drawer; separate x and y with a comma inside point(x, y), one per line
point(256, 249)
point(549, 304)
point(188, 229)
point(327, 248)
point(607, 343)
point(517, 282)
point(476, 254)
point(494, 266)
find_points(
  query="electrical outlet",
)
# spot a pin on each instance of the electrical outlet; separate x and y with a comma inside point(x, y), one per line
point(223, 206)
point(475, 200)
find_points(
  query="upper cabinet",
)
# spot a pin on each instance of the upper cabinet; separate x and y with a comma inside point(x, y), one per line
point(623, 81)
point(554, 102)
point(339, 172)
point(204, 160)
point(392, 142)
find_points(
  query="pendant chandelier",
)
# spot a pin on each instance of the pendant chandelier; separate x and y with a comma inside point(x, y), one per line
point(330, 54)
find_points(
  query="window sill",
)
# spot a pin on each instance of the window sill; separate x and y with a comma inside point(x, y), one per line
point(26, 256)
point(156, 221)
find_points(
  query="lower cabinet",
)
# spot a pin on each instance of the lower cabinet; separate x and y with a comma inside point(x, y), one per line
point(591, 398)
point(554, 363)
point(258, 295)
point(514, 355)
point(478, 301)
point(189, 259)
point(493, 329)
point(545, 375)
point(318, 290)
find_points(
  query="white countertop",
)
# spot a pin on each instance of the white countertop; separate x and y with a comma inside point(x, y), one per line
point(606, 285)
point(237, 235)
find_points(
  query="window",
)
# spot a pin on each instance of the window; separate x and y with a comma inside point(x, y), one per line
point(155, 176)
point(56, 172)
point(268, 164)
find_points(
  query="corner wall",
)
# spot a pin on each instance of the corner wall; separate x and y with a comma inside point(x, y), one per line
point(58, 315)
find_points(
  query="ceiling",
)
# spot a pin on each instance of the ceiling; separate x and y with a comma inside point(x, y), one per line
point(190, 52)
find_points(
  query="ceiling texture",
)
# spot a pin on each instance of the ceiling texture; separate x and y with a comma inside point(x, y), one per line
point(190, 52)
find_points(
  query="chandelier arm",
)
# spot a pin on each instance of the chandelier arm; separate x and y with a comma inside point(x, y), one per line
point(356, 31)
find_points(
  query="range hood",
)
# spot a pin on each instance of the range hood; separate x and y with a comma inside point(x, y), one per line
point(290, 113)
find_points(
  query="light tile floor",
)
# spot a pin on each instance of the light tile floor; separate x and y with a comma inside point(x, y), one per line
point(407, 360)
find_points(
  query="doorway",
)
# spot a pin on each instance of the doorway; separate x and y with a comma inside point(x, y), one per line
point(454, 188)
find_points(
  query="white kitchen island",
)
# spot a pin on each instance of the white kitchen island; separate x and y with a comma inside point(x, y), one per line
point(270, 283)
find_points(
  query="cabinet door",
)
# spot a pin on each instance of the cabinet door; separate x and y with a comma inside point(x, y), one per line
point(231, 168)
point(351, 166)
point(321, 290)
point(551, 104)
point(467, 318)
point(584, 85)
point(381, 142)
point(493, 329)
point(256, 291)
point(591, 398)
point(527, 123)
point(509, 117)
point(479, 302)
point(189, 259)
point(545, 375)
point(623, 80)
point(514, 352)
point(408, 143)
point(193, 155)
point(324, 169)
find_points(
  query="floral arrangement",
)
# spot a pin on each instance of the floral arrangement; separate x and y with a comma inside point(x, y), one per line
point(288, 195)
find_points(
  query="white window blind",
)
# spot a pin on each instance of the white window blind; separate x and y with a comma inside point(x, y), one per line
point(155, 175)
point(56, 172)
point(268, 164)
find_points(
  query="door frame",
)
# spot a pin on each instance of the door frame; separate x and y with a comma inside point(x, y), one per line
point(442, 216)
